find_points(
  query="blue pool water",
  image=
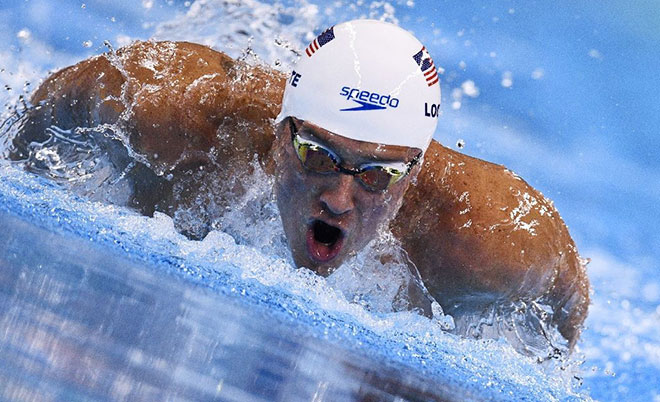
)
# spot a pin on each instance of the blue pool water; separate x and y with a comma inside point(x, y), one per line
point(100, 302)
point(563, 93)
point(153, 336)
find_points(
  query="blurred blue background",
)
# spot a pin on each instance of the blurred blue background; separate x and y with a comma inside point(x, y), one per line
point(563, 93)
point(579, 116)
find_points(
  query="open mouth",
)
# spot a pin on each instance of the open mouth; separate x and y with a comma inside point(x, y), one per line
point(324, 241)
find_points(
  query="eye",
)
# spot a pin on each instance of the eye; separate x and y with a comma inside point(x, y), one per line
point(379, 178)
point(315, 157)
point(319, 160)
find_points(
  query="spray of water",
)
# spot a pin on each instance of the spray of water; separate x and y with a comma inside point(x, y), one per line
point(376, 286)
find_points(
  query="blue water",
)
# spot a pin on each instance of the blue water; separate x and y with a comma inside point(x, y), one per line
point(563, 93)
point(154, 336)
point(89, 283)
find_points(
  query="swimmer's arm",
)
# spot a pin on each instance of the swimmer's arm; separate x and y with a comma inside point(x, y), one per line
point(473, 227)
point(176, 100)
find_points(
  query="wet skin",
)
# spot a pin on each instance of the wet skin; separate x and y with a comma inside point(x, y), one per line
point(337, 199)
point(479, 235)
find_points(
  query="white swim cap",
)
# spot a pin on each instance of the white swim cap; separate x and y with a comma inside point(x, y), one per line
point(367, 80)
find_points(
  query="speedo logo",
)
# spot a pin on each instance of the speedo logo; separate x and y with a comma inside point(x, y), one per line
point(368, 100)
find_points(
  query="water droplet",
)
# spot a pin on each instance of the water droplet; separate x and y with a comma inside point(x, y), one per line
point(108, 45)
point(23, 34)
point(538, 73)
point(470, 89)
point(594, 53)
point(507, 79)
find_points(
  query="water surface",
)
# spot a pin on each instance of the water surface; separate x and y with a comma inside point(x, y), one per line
point(83, 323)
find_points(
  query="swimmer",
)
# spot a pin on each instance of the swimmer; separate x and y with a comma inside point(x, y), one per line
point(348, 137)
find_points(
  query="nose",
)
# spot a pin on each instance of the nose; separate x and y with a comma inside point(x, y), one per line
point(338, 199)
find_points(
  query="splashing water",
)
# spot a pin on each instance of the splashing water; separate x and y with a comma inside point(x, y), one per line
point(97, 163)
point(247, 239)
point(297, 292)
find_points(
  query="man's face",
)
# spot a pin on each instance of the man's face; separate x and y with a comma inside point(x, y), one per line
point(328, 217)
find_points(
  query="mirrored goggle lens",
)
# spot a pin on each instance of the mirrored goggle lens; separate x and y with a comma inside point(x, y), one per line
point(318, 159)
point(379, 178)
point(314, 157)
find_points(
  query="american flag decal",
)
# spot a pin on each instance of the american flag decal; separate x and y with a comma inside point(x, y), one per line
point(322, 39)
point(425, 63)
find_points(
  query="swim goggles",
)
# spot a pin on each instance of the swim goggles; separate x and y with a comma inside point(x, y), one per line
point(375, 177)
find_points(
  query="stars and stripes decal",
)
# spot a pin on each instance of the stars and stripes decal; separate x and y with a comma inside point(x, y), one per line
point(425, 63)
point(322, 39)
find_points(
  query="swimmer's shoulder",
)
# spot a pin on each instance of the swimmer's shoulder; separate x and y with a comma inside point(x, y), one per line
point(477, 225)
point(480, 196)
point(173, 98)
